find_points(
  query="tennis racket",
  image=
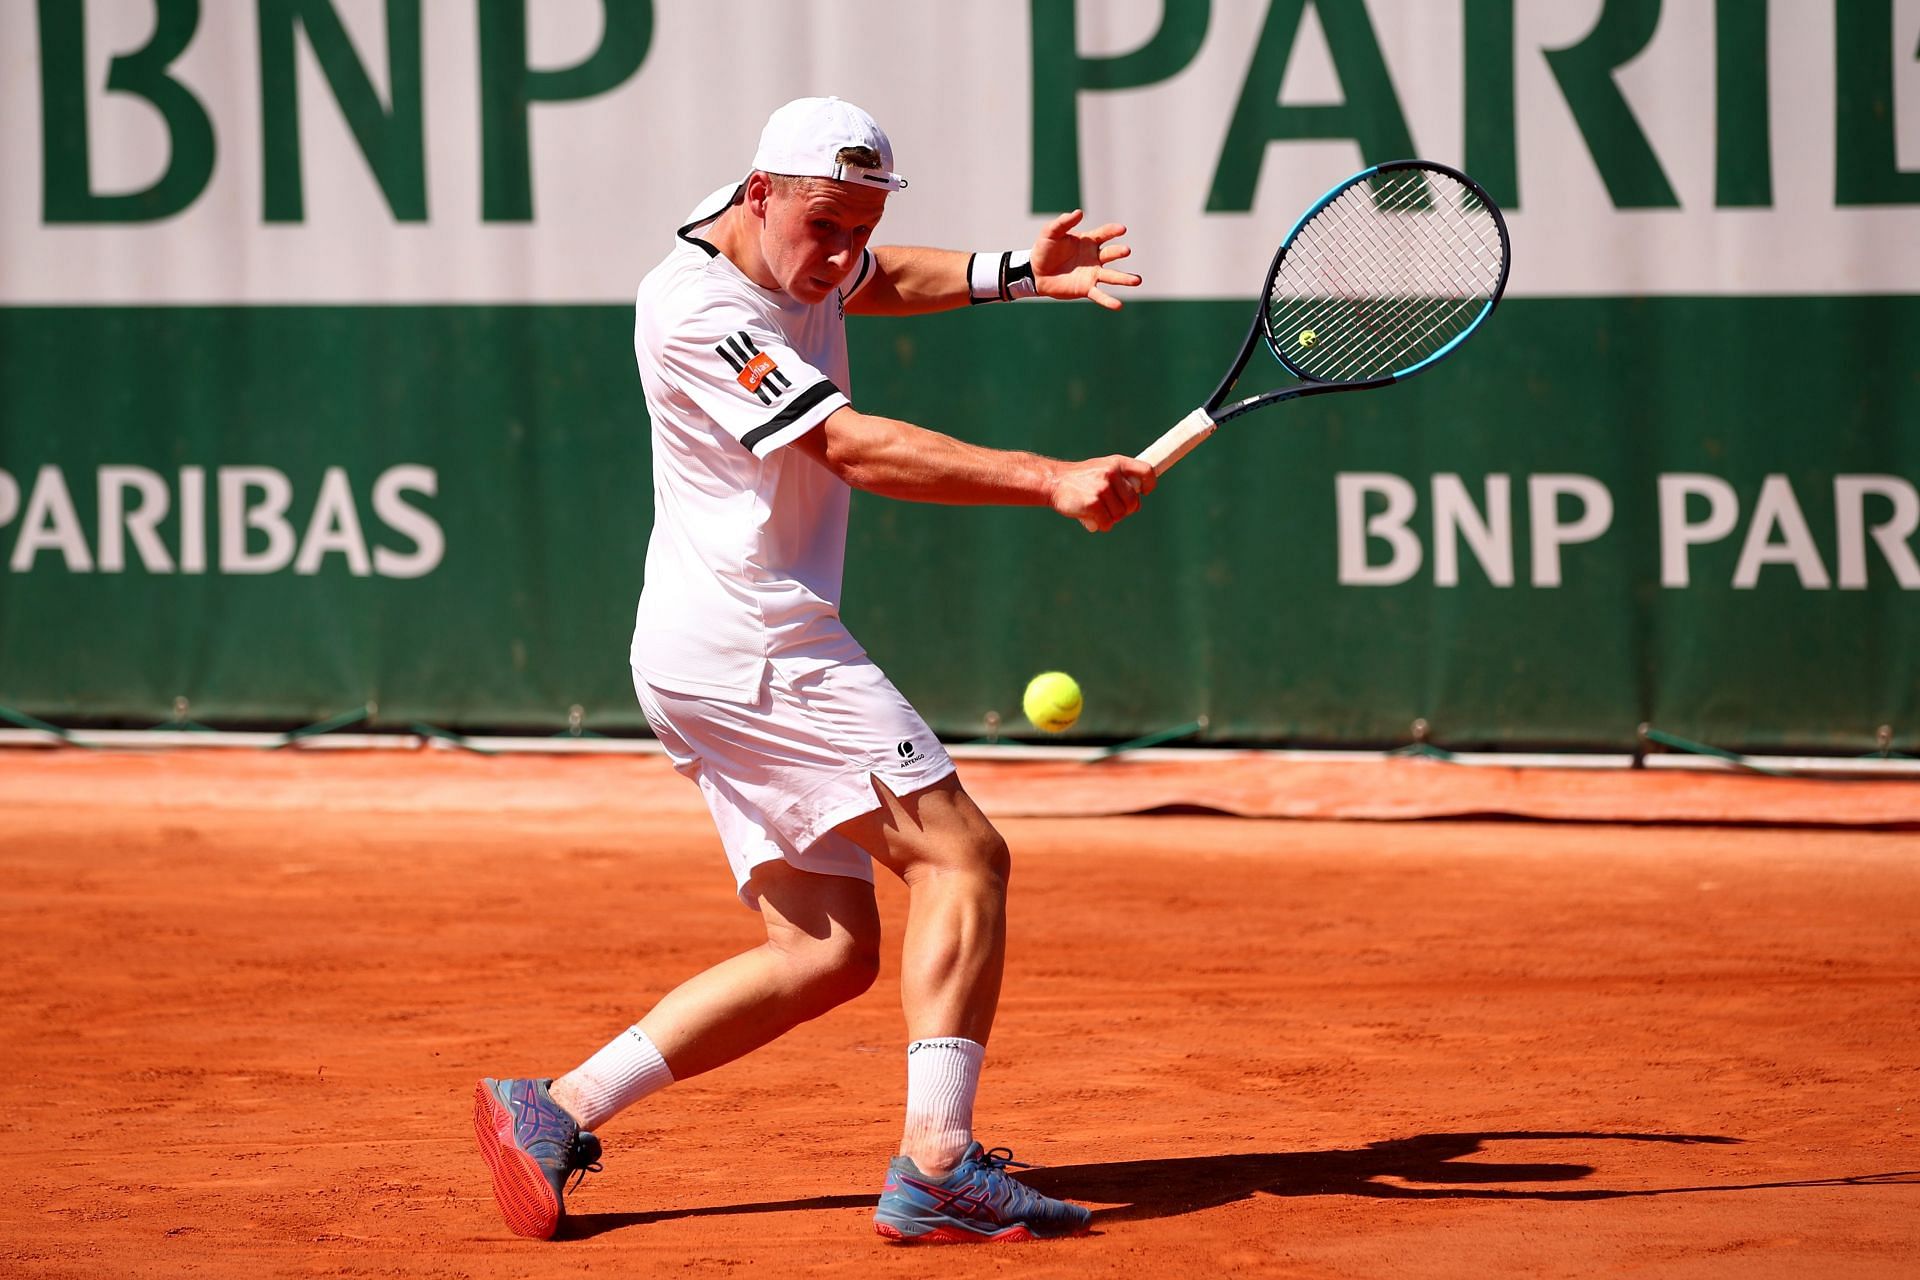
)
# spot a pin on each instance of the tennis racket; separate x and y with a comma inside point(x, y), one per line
point(1387, 274)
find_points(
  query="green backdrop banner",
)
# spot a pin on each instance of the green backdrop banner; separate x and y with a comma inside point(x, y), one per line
point(1598, 515)
point(316, 388)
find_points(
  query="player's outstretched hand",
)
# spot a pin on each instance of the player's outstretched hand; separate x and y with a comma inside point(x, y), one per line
point(1070, 264)
point(1101, 492)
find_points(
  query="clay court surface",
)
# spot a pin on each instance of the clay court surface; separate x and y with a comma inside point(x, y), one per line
point(249, 995)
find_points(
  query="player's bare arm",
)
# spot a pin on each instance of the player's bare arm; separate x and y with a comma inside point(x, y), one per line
point(1067, 264)
point(899, 460)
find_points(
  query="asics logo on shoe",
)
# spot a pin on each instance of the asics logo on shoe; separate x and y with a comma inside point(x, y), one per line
point(967, 1199)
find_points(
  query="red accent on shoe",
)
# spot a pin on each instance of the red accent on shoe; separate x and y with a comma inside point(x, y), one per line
point(954, 1235)
point(519, 1184)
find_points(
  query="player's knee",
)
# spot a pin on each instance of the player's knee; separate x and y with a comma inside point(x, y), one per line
point(857, 969)
point(992, 856)
point(980, 853)
point(840, 967)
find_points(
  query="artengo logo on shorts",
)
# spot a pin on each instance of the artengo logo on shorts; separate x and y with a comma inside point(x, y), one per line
point(254, 521)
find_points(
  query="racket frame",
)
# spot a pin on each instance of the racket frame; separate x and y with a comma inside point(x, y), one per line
point(1261, 328)
point(1184, 435)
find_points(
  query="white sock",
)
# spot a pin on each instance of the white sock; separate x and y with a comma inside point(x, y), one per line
point(618, 1076)
point(942, 1076)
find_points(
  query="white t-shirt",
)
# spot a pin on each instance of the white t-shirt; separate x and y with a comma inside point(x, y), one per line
point(749, 539)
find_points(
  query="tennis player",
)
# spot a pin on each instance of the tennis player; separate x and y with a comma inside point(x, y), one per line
point(813, 765)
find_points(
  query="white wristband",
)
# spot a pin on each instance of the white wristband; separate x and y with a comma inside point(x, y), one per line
point(1001, 277)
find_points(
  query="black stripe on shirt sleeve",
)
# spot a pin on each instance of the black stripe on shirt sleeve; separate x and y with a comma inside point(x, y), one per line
point(867, 260)
point(796, 409)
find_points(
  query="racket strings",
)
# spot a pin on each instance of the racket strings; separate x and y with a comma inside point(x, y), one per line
point(1437, 250)
point(1384, 276)
point(1384, 310)
point(1397, 336)
point(1405, 306)
point(1412, 327)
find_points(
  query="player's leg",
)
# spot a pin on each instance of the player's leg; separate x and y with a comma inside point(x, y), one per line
point(944, 1186)
point(822, 949)
point(955, 866)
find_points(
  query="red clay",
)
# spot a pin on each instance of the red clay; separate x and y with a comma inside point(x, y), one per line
point(250, 996)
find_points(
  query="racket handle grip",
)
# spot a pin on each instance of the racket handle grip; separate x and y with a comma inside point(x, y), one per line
point(1178, 441)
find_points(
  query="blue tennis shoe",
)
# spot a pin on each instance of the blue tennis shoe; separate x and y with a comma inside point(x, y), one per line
point(979, 1202)
point(531, 1146)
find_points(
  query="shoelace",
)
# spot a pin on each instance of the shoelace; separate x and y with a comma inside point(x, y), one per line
point(583, 1157)
point(1025, 1198)
point(1001, 1158)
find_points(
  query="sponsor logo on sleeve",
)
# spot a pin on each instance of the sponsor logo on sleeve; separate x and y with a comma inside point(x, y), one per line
point(753, 368)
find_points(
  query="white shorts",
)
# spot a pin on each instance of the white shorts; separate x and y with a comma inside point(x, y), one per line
point(781, 773)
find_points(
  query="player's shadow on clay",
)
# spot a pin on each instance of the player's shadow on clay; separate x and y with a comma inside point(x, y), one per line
point(1429, 1167)
point(1164, 1188)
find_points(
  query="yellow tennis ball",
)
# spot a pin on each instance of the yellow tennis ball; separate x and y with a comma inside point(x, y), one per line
point(1052, 701)
point(1308, 337)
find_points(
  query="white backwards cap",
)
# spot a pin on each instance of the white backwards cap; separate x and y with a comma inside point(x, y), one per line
point(802, 138)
